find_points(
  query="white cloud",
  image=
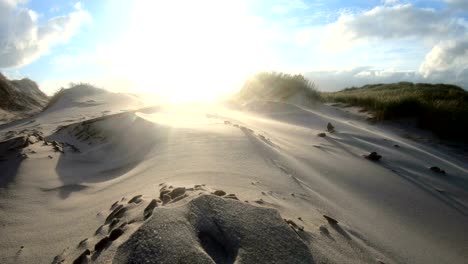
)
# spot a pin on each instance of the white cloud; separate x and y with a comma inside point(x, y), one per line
point(23, 39)
point(359, 76)
point(440, 35)
point(337, 80)
point(447, 60)
point(458, 4)
point(395, 22)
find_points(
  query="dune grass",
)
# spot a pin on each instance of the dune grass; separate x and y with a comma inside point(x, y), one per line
point(277, 86)
point(441, 108)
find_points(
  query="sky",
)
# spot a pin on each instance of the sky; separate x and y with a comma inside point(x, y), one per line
point(204, 49)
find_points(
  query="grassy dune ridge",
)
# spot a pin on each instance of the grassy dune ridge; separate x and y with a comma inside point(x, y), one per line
point(442, 108)
point(277, 86)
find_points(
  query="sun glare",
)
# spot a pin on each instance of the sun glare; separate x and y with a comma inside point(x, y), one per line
point(190, 50)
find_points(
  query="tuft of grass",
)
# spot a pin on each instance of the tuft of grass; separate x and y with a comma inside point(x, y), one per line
point(441, 108)
point(60, 92)
point(277, 86)
point(54, 98)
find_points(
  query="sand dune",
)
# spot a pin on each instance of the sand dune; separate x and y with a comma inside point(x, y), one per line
point(102, 185)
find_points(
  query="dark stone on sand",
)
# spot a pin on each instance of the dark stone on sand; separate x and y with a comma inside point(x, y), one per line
point(165, 199)
point(321, 135)
point(324, 230)
point(136, 199)
point(178, 198)
point(331, 220)
point(102, 244)
point(113, 223)
point(83, 258)
point(82, 242)
point(373, 156)
point(259, 201)
point(177, 192)
point(149, 209)
point(114, 205)
point(396, 146)
point(16, 143)
point(219, 193)
point(231, 196)
point(116, 233)
point(117, 213)
point(162, 193)
point(330, 127)
point(437, 170)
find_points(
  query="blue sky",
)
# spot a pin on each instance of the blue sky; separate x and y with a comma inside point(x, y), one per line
point(180, 47)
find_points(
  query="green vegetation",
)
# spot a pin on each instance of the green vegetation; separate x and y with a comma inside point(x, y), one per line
point(277, 86)
point(441, 108)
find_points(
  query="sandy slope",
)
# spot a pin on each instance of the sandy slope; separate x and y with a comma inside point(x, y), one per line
point(19, 99)
point(395, 210)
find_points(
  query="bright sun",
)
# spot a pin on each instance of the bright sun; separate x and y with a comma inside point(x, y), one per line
point(190, 50)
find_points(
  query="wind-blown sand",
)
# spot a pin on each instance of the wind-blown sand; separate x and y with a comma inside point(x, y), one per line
point(73, 188)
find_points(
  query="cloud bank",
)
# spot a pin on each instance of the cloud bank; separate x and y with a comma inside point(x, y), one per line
point(443, 35)
point(23, 39)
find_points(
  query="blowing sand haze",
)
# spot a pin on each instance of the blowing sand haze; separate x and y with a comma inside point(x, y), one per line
point(233, 132)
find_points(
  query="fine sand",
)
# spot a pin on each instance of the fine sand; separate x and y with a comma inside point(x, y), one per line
point(99, 178)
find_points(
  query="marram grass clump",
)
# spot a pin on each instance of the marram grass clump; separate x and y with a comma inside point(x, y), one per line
point(442, 108)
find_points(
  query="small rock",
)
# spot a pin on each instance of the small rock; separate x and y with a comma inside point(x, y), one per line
point(114, 205)
point(82, 242)
point(113, 223)
point(324, 230)
point(116, 233)
point(321, 135)
point(83, 258)
point(149, 209)
point(330, 127)
point(50, 157)
point(396, 146)
point(259, 201)
point(102, 244)
point(117, 213)
point(373, 156)
point(294, 225)
point(437, 170)
point(165, 199)
point(32, 139)
point(198, 187)
point(331, 220)
point(162, 193)
point(136, 199)
point(231, 196)
point(177, 192)
point(263, 193)
point(178, 198)
point(99, 230)
point(300, 219)
point(219, 193)
point(124, 224)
